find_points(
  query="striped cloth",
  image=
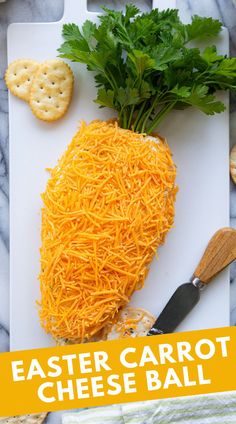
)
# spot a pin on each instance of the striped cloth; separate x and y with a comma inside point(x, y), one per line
point(205, 409)
point(102, 415)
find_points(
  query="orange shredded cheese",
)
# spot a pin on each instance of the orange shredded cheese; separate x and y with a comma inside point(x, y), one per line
point(108, 205)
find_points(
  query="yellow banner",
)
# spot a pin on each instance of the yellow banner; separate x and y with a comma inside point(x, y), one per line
point(126, 370)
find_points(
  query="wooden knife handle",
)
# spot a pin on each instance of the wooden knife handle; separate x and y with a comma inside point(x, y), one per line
point(220, 252)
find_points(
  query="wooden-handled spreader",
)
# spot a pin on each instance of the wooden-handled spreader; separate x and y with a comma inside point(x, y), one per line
point(220, 252)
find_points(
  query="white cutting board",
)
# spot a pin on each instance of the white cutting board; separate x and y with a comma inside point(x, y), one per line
point(200, 146)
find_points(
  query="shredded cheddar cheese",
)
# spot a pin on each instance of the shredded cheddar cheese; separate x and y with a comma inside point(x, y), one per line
point(108, 205)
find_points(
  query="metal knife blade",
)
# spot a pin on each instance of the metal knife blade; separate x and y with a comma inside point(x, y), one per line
point(180, 304)
point(219, 253)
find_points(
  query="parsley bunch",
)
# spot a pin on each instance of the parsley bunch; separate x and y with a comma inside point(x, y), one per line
point(144, 66)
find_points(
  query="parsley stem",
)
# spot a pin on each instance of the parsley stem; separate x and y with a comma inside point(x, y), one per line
point(140, 112)
point(143, 121)
point(149, 113)
point(111, 80)
point(123, 119)
point(130, 116)
point(159, 117)
point(229, 86)
point(140, 124)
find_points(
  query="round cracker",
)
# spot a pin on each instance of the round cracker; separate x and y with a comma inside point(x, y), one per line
point(19, 77)
point(51, 90)
point(25, 419)
point(233, 163)
point(131, 322)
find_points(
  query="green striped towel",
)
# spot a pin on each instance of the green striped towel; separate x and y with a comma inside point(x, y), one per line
point(217, 408)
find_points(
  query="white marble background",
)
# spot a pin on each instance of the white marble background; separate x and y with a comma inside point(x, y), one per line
point(52, 10)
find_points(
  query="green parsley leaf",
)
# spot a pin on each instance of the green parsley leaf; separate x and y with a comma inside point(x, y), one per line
point(89, 29)
point(200, 28)
point(131, 11)
point(227, 68)
point(105, 98)
point(141, 61)
point(199, 98)
point(181, 92)
point(210, 55)
point(127, 96)
point(71, 32)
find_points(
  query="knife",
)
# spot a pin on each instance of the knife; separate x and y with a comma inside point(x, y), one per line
point(220, 252)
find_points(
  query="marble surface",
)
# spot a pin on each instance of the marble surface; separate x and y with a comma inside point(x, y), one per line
point(52, 10)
